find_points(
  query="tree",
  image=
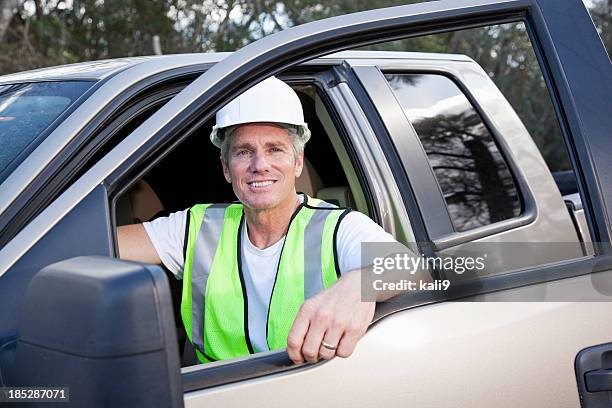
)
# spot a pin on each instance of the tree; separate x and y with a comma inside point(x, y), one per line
point(7, 11)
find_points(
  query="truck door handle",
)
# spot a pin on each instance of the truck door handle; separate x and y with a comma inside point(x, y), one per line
point(598, 380)
point(593, 368)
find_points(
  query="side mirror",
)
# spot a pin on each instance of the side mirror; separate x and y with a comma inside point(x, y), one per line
point(104, 328)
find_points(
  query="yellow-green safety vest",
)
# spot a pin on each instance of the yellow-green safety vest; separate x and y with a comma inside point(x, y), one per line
point(214, 304)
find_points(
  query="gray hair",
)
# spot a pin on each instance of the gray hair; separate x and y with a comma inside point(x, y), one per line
point(298, 142)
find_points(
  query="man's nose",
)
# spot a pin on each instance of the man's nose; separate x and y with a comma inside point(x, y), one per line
point(259, 162)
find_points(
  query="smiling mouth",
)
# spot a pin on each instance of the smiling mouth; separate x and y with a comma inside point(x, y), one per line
point(261, 184)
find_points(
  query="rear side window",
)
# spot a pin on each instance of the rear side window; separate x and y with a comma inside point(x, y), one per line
point(473, 176)
point(19, 127)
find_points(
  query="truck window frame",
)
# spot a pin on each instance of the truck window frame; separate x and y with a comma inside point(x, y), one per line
point(315, 77)
point(322, 79)
point(414, 160)
point(524, 194)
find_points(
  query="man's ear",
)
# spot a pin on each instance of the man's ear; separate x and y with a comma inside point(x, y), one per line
point(226, 171)
point(299, 165)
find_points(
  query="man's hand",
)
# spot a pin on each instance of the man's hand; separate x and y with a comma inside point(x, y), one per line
point(336, 317)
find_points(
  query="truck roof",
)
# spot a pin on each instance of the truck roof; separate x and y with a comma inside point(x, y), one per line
point(96, 70)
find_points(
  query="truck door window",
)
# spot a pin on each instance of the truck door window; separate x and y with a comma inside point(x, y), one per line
point(475, 180)
point(480, 142)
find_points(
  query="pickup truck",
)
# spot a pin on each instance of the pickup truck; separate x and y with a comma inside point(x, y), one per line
point(425, 144)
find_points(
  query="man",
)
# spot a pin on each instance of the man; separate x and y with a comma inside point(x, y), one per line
point(277, 269)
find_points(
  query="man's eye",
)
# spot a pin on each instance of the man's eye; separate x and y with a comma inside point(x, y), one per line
point(242, 152)
point(277, 149)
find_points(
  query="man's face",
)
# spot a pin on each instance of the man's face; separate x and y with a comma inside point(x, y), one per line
point(262, 166)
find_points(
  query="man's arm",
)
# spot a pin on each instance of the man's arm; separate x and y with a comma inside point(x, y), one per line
point(135, 244)
point(338, 316)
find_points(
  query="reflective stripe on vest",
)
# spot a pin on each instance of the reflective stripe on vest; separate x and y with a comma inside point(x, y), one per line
point(214, 305)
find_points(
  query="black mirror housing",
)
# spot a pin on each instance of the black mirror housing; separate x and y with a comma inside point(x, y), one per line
point(104, 328)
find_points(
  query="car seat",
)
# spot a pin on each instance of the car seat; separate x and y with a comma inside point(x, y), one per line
point(139, 204)
point(310, 183)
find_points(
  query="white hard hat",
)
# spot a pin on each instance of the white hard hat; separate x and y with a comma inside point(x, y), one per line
point(271, 100)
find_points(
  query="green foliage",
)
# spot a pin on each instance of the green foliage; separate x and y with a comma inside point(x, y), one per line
point(52, 32)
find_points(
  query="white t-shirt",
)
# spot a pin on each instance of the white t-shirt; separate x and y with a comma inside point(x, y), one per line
point(259, 265)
